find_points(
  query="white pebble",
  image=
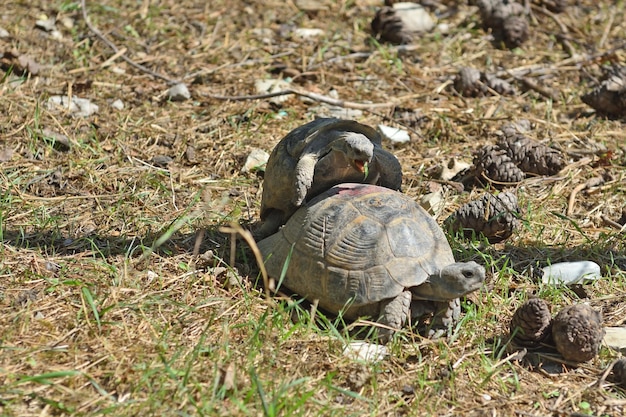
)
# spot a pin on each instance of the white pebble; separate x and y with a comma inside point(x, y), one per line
point(394, 134)
point(81, 107)
point(369, 352)
point(272, 86)
point(615, 338)
point(307, 34)
point(118, 104)
point(178, 92)
point(256, 160)
point(571, 272)
point(414, 17)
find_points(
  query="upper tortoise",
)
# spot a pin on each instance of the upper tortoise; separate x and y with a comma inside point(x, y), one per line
point(365, 250)
point(314, 157)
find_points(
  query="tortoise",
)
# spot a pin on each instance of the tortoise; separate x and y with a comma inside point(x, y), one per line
point(365, 250)
point(313, 157)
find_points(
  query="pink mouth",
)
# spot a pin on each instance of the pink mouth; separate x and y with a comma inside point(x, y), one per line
point(360, 165)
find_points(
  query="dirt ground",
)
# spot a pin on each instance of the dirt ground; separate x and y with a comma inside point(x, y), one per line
point(121, 291)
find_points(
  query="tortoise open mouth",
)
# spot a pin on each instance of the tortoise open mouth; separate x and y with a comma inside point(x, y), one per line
point(361, 166)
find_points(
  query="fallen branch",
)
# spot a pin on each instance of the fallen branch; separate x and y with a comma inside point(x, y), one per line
point(313, 96)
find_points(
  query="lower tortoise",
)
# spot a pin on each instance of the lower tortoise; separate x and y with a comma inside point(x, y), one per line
point(366, 250)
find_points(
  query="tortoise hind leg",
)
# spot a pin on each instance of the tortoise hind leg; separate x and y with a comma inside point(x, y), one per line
point(270, 225)
point(394, 314)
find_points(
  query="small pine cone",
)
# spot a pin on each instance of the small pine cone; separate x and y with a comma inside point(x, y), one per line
point(619, 372)
point(531, 323)
point(610, 96)
point(388, 26)
point(493, 163)
point(468, 83)
point(494, 216)
point(514, 31)
point(577, 332)
point(506, 19)
point(529, 155)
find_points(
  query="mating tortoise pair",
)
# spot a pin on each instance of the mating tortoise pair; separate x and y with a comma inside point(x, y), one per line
point(350, 239)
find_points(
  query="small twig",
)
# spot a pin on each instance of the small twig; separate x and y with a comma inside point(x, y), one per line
point(115, 49)
point(606, 373)
point(593, 182)
point(313, 96)
point(613, 223)
point(536, 87)
point(236, 64)
point(607, 30)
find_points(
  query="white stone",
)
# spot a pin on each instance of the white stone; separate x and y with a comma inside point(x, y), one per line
point(272, 86)
point(571, 272)
point(452, 168)
point(178, 92)
point(47, 25)
point(414, 17)
point(615, 338)
point(369, 352)
point(307, 34)
point(81, 107)
point(118, 104)
point(256, 160)
point(394, 134)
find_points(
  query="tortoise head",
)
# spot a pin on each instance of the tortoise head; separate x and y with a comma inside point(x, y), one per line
point(357, 149)
point(451, 282)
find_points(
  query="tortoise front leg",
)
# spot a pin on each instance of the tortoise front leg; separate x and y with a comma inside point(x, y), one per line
point(394, 314)
point(445, 317)
point(304, 178)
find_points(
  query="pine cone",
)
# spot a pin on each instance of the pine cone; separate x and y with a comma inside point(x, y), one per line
point(514, 31)
point(577, 332)
point(506, 19)
point(494, 164)
point(531, 323)
point(619, 372)
point(610, 96)
point(389, 27)
point(493, 216)
point(529, 155)
point(468, 84)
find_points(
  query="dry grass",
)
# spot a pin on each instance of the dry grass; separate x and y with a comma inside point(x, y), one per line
point(113, 301)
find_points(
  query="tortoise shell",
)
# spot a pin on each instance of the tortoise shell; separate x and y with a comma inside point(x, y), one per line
point(313, 157)
point(356, 245)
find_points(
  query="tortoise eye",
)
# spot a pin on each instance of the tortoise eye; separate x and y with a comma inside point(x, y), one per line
point(468, 274)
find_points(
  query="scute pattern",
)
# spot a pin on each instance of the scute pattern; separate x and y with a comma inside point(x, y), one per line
point(358, 245)
point(355, 246)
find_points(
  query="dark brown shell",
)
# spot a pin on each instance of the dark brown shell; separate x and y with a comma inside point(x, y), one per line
point(577, 332)
point(282, 182)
